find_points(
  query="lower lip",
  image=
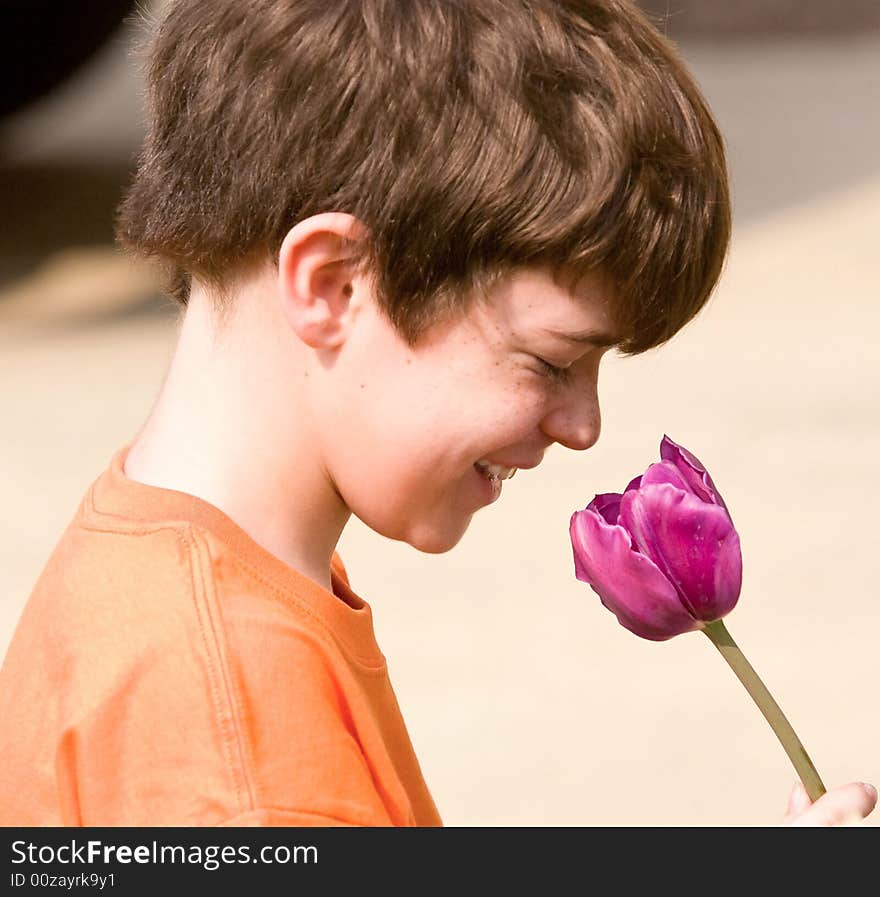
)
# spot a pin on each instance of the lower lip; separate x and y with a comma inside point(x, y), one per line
point(491, 489)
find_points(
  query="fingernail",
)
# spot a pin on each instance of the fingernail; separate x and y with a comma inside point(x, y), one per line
point(870, 789)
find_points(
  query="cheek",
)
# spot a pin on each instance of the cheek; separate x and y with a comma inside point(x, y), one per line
point(392, 448)
point(506, 410)
point(525, 399)
point(427, 425)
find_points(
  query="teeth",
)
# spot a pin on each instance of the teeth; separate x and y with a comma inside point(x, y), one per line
point(496, 472)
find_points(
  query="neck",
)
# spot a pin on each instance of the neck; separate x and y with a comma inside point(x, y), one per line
point(233, 426)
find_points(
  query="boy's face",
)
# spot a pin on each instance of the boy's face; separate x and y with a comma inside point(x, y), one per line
point(403, 427)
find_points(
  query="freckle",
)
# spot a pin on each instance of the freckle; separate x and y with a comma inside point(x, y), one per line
point(362, 385)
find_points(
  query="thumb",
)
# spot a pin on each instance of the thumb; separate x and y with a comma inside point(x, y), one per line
point(844, 805)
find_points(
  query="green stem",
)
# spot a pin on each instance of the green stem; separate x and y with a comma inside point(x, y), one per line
point(730, 651)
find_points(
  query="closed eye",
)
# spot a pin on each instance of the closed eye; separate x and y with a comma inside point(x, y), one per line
point(553, 372)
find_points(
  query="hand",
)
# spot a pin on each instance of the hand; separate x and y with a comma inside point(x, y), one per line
point(844, 805)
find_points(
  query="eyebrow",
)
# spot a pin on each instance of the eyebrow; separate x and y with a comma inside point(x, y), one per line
point(595, 337)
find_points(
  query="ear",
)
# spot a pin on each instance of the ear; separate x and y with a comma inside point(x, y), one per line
point(316, 282)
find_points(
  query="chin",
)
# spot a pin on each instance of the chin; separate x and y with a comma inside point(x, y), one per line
point(435, 547)
point(427, 535)
point(434, 541)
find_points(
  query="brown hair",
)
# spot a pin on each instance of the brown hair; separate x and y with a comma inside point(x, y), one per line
point(470, 137)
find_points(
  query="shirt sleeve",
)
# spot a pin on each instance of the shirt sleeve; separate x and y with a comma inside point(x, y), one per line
point(272, 742)
point(308, 753)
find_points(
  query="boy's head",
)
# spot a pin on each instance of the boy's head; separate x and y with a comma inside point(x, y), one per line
point(469, 138)
point(385, 209)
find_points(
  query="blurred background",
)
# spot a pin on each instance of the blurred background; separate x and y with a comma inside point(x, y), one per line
point(527, 703)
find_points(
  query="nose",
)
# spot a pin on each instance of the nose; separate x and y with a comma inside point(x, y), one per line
point(575, 420)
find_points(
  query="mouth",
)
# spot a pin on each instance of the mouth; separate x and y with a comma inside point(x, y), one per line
point(494, 472)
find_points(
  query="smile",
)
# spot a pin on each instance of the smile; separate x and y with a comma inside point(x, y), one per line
point(494, 471)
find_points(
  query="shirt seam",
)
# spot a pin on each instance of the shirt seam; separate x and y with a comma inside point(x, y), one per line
point(127, 526)
point(273, 809)
point(241, 784)
point(283, 598)
point(239, 744)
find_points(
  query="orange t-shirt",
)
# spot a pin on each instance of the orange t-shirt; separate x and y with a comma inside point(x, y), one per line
point(167, 670)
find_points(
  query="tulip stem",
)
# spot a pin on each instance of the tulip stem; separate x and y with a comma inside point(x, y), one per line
point(720, 637)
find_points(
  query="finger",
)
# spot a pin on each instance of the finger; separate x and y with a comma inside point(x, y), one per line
point(797, 802)
point(845, 805)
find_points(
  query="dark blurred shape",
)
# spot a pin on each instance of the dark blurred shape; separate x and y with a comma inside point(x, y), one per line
point(55, 206)
point(43, 42)
point(754, 18)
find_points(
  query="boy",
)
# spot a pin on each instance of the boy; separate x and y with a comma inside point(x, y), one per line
point(404, 235)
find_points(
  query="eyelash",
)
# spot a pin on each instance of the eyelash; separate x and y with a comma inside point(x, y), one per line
point(554, 373)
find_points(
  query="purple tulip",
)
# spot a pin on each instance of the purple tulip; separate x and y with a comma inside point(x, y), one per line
point(663, 556)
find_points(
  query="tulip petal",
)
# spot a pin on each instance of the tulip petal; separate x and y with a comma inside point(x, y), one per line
point(634, 483)
point(692, 469)
point(607, 504)
point(667, 472)
point(694, 544)
point(628, 583)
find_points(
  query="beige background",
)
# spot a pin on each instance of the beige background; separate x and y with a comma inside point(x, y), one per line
point(526, 701)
